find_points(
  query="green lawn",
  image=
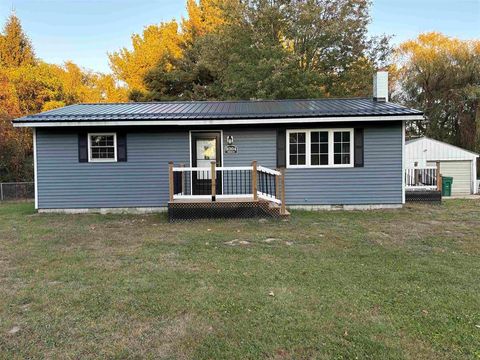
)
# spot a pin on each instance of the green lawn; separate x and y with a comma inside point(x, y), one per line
point(390, 284)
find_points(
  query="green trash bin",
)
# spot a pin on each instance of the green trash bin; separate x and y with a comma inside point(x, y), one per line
point(447, 182)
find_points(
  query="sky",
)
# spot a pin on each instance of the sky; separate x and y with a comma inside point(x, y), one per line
point(86, 30)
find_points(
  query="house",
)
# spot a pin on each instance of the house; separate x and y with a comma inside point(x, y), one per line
point(458, 163)
point(334, 152)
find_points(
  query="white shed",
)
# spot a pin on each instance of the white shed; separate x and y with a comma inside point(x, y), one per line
point(456, 162)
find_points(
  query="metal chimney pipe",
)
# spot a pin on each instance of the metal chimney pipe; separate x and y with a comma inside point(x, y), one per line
point(380, 86)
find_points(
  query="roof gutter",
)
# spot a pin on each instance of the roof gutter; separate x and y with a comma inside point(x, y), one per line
point(186, 122)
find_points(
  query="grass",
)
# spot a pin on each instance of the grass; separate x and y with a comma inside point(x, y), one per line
point(395, 284)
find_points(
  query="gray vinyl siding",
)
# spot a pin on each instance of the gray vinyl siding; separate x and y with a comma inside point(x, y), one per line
point(142, 181)
point(257, 144)
point(260, 145)
point(378, 182)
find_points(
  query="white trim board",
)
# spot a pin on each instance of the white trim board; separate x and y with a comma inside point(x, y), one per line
point(35, 167)
point(50, 123)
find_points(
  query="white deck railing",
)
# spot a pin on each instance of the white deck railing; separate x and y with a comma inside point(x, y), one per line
point(426, 178)
point(226, 182)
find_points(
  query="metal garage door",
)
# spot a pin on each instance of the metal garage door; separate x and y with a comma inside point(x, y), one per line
point(461, 171)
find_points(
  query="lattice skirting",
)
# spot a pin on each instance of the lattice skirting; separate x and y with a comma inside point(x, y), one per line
point(220, 210)
point(431, 196)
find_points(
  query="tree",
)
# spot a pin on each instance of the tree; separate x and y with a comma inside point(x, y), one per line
point(28, 85)
point(441, 76)
point(108, 90)
point(203, 18)
point(15, 146)
point(148, 49)
point(189, 79)
point(164, 44)
point(330, 37)
point(273, 49)
point(15, 47)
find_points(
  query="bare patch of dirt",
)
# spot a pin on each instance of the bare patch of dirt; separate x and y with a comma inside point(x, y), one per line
point(237, 242)
point(270, 240)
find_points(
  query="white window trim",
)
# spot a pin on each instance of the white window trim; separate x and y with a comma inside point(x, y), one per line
point(90, 147)
point(308, 149)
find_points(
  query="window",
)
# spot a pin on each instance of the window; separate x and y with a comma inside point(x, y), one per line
point(320, 148)
point(341, 147)
point(297, 147)
point(102, 147)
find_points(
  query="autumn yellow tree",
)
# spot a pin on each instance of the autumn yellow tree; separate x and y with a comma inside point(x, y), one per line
point(107, 89)
point(441, 76)
point(15, 47)
point(165, 43)
point(148, 49)
point(29, 85)
point(15, 146)
point(77, 85)
point(204, 17)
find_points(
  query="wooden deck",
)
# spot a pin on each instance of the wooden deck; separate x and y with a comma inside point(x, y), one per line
point(226, 192)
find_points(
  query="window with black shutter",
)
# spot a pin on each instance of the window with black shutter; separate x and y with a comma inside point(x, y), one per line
point(319, 148)
point(102, 147)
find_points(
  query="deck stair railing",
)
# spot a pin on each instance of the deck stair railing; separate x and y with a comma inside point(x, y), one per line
point(423, 178)
point(227, 182)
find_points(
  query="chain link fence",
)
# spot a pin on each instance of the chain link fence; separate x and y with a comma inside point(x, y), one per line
point(17, 191)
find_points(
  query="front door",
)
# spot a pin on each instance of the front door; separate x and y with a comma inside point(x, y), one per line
point(206, 147)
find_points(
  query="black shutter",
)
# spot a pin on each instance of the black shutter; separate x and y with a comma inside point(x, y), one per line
point(121, 147)
point(82, 147)
point(281, 148)
point(358, 140)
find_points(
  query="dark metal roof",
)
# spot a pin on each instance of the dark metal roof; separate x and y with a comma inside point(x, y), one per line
point(203, 110)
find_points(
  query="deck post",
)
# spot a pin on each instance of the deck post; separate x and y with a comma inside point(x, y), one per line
point(170, 180)
point(254, 180)
point(181, 179)
point(439, 177)
point(214, 179)
point(277, 185)
point(283, 205)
